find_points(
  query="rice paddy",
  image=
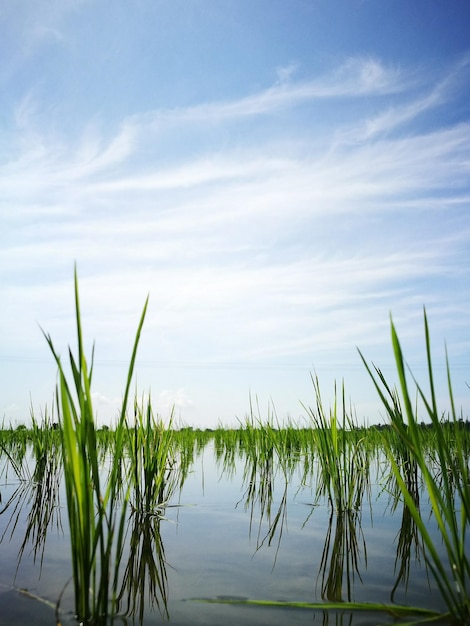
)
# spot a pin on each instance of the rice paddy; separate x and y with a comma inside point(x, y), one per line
point(270, 522)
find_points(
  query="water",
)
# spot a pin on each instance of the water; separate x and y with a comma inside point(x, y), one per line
point(224, 537)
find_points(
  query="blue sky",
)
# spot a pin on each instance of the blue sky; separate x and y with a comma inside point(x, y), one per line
point(280, 177)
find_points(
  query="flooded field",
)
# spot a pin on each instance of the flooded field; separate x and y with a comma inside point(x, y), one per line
point(243, 530)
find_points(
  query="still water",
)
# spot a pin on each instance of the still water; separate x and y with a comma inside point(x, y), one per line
point(225, 535)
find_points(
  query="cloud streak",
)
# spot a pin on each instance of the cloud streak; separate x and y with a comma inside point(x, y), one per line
point(278, 249)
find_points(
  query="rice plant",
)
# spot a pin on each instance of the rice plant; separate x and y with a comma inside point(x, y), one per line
point(14, 447)
point(43, 492)
point(448, 491)
point(342, 454)
point(96, 513)
point(153, 468)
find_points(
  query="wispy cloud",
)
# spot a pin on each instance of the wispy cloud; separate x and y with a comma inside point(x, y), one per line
point(275, 248)
point(393, 117)
point(28, 26)
point(357, 77)
point(45, 163)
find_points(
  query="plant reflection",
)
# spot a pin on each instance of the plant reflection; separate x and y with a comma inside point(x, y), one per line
point(408, 535)
point(409, 540)
point(266, 479)
point(341, 556)
point(155, 467)
point(145, 572)
point(38, 494)
point(34, 503)
point(156, 476)
point(265, 468)
point(340, 619)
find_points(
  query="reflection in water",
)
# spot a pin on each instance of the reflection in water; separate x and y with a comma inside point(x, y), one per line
point(341, 555)
point(34, 504)
point(269, 471)
point(259, 493)
point(344, 553)
point(340, 619)
point(266, 484)
point(409, 539)
point(145, 572)
point(409, 543)
point(144, 581)
point(38, 495)
point(265, 470)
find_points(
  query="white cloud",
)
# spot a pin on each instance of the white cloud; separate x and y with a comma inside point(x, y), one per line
point(50, 177)
point(403, 113)
point(355, 78)
point(276, 249)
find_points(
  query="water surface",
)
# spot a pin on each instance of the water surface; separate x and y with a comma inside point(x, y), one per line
point(227, 534)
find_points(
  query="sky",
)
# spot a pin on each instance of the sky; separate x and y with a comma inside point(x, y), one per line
point(280, 178)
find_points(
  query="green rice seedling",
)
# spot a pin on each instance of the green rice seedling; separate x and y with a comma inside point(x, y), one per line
point(44, 445)
point(43, 499)
point(449, 493)
point(268, 469)
point(17, 462)
point(185, 443)
point(154, 470)
point(202, 438)
point(13, 506)
point(14, 447)
point(288, 441)
point(263, 479)
point(341, 453)
point(226, 454)
point(40, 498)
point(227, 449)
point(96, 514)
point(154, 478)
point(258, 475)
point(408, 541)
point(37, 492)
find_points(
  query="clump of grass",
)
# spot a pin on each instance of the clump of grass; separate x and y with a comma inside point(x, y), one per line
point(14, 446)
point(264, 472)
point(44, 486)
point(153, 467)
point(341, 452)
point(448, 490)
point(153, 477)
point(96, 513)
